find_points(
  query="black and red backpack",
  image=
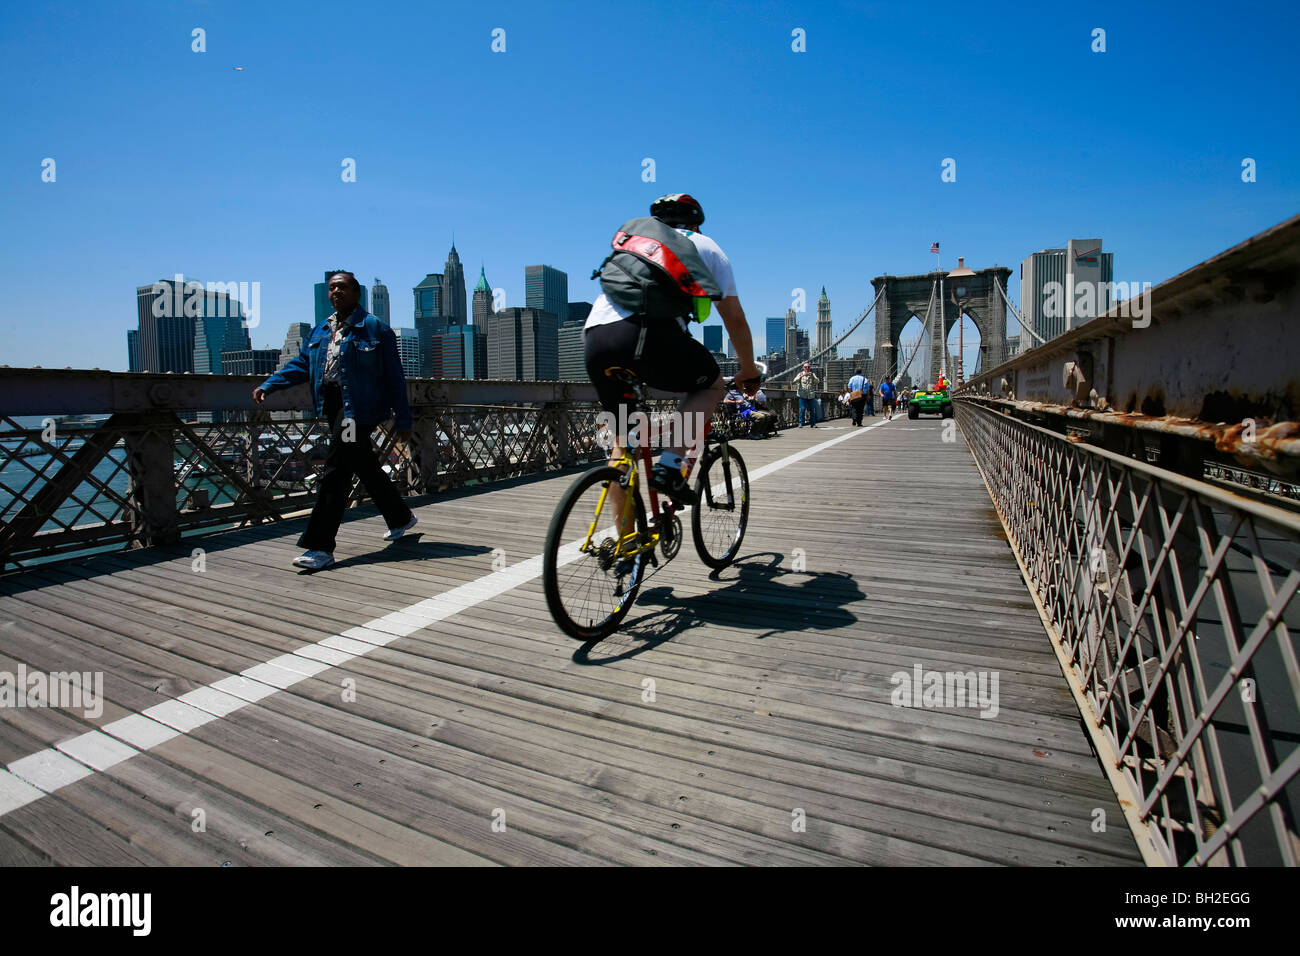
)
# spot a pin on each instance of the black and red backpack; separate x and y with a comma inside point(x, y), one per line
point(656, 271)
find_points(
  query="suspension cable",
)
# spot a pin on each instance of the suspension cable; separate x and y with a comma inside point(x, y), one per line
point(853, 328)
point(1023, 324)
point(934, 289)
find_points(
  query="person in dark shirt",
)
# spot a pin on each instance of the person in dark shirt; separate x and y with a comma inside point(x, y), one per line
point(888, 398)
point(357, 382)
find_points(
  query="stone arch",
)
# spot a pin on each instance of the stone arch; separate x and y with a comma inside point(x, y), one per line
point(905, 295)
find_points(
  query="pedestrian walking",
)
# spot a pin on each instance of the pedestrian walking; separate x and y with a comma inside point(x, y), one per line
point(888, 398)
point(857, 395)
point(868, 392)
point(355, 372)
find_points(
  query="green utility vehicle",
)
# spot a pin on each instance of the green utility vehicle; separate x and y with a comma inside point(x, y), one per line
point(934, 401)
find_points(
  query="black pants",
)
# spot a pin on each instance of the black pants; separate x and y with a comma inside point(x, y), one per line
point(858, 404)
point(345, 459)
point(670, 359)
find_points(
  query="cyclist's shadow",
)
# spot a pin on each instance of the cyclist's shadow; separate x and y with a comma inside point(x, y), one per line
point(754, 594)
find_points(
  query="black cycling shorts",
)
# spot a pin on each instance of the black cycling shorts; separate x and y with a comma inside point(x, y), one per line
point(671, 359)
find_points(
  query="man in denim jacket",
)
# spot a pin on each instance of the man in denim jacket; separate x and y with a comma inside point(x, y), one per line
point(356, 380)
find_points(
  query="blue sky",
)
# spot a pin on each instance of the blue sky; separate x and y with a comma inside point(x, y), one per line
point(814, 168)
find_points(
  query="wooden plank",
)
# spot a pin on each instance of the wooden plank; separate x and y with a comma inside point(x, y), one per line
point(52, 828)
point(402, 803)
point(774, 685)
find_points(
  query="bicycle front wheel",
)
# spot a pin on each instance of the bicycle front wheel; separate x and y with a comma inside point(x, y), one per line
point(589, 585)
point(718, 521)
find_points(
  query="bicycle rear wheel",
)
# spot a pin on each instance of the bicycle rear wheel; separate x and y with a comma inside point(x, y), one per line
point(718, 522)
point(590, 592)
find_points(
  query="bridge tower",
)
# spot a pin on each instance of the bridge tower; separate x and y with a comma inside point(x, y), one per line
point(975, 295)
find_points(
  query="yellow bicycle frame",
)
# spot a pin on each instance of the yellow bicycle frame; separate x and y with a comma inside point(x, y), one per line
point(627, 544)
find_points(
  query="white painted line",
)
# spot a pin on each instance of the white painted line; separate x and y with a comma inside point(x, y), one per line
point(213, 701)
point(96, 750)
point(274, 675)
point(249, 691)
point(139, 731)
point(347, 645)
point(326, 655)
point(14, 793)
point(178, 716)
point(50, 769)
point(369, 637)
point(299, 665)
point(808, 452)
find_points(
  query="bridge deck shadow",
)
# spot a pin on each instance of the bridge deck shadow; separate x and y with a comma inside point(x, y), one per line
point(746, 718)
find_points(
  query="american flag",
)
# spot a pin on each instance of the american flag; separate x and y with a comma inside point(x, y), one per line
point(934, 248)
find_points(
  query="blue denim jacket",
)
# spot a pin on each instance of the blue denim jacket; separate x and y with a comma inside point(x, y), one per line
point(370, 371)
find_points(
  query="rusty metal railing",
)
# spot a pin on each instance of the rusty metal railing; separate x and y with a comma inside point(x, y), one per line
point(93, 460)
point(1172, 605)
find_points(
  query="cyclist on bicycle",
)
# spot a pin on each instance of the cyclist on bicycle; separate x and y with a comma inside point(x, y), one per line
point(659, 349)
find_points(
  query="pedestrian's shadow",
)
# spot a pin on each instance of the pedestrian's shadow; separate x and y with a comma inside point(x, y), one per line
point(412, 546)
point(755, 594)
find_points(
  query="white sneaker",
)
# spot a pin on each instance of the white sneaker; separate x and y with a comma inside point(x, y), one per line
point(314, 560)
point(392, 534)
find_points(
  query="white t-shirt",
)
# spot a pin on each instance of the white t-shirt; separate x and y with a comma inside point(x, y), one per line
point(604, 312)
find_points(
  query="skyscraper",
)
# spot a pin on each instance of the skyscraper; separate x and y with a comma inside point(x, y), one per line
point(824, 337)
point(482, 299)
point(547, 290)
point(133, 350)
point(460, 352)
point(249, 361)
point(408, 347)
point(379, 296)
point(791, 337)
point(217, 332)
point(712, 337)
point(293, 342)
point(523, 345)
point(429, 297)
point(774, 340)
point(321, 301)
point(219, 329)
point(168, 311)
point(572, 363)
point(430, 319)
point(453, 285)
point(1062, 288)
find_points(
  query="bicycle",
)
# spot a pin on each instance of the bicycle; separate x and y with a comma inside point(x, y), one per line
point(606, 555)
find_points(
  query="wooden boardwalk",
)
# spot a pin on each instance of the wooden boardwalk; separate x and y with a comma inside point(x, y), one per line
point(482, 735)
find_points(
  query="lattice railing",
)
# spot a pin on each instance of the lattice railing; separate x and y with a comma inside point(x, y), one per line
point(140, 475)
point(1173, 605)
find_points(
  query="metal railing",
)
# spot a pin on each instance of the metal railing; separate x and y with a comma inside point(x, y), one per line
point(1172, 605)
point(122, 465)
